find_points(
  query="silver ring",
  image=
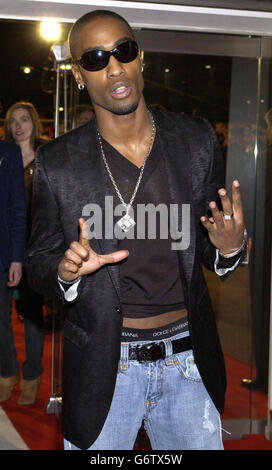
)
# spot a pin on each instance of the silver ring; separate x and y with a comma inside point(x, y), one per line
point(228, 216)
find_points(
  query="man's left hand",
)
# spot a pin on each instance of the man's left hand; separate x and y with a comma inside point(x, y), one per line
point(226, 229)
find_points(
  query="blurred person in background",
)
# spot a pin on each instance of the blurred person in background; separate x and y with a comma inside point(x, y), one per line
point(12, 250)
point(81, 114)
point(23, 127)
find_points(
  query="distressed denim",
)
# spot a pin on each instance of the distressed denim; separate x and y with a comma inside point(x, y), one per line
point(169, 396)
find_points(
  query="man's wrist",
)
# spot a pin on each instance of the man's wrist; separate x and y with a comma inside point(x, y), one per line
point(235, 252)
point(69, 282)
point(232, 253)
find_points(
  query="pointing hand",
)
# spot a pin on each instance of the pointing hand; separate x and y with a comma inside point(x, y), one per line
point(79, 259)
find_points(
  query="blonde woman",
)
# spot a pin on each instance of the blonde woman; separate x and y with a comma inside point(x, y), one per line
point(23, 127)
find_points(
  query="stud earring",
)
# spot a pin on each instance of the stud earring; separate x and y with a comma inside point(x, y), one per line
point(81, 86)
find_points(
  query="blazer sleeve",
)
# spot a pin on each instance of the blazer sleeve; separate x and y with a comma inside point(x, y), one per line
point(215, 181)
point(17, 209)
point(46, 246)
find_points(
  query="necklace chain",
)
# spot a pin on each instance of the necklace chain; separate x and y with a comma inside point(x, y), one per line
point(127, 206)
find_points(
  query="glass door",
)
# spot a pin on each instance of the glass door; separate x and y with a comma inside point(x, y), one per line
point(225, 80)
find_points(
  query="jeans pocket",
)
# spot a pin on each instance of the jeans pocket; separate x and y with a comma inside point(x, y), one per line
point(186, 366)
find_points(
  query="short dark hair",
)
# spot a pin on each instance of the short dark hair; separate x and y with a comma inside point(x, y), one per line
point(85, 19)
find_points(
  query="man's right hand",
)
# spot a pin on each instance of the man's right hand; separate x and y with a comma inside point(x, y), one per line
point(80, 259)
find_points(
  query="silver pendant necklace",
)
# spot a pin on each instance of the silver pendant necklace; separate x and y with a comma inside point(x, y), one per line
point(126, 222)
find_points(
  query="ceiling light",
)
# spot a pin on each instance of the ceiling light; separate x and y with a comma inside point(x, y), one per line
point(50, 29)
point(26, 69)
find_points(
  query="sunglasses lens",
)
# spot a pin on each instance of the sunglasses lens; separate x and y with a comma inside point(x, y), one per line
point(97, 60)
point(94, 60)
point(126, 52)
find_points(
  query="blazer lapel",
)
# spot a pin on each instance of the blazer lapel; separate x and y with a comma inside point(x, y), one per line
point(176, 152)
point(91, 175)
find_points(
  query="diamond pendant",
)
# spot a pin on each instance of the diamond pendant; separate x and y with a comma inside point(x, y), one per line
point(126, 223)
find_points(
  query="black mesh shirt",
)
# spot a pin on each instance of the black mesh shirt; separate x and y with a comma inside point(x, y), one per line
point(150, 279)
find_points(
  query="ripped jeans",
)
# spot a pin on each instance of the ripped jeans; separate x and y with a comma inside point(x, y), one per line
point(169, 396)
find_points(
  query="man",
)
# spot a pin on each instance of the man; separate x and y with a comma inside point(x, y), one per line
point(121, 287)
point(12, 248)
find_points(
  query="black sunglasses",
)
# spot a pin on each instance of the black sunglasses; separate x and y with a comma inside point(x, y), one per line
point(95, 60)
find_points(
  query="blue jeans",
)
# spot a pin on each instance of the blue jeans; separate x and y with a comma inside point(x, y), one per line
point(169, 396)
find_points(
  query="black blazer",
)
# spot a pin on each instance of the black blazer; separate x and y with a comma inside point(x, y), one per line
point(69, 174)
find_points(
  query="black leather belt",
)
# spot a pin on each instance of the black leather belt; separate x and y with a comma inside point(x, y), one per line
point(155, 351)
